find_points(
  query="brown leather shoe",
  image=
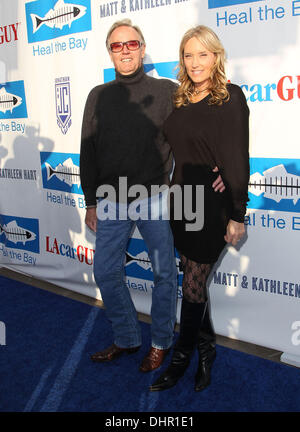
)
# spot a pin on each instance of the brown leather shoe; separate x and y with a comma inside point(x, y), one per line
point(153, 359)
point(111, 353)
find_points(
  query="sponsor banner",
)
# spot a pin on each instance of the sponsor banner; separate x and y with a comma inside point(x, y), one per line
point(62, 38)
point(50, 19)
point(12, 103)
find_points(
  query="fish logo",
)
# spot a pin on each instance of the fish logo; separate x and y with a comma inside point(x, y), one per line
point(138, 264)
point(16, 234)
point(60, 171)
point(142, 259)
point(66, 172)
point(61, 15)
point(52, 19)
point(274, 184)
point(8, 101)
point(19, 233)
point(13, 100)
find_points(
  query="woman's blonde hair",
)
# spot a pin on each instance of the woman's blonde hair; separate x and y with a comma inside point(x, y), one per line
point(218, 80)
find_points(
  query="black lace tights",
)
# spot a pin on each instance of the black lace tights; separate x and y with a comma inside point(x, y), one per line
point(194, 280)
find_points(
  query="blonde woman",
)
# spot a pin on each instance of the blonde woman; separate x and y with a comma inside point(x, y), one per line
point(208, 128)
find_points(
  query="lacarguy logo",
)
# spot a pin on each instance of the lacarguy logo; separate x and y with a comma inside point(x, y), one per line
point(60, 171)
point(212, 4)
point(50, 19)
point(20, 233)
point(274, 184)
point(286, 88)
point(81, 253)
point(12, 100)
point(63, 103)
point(157, 70)
point(9, 33)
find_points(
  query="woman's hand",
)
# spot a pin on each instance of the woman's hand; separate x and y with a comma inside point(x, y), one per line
point(218, 184)
point(234, 233)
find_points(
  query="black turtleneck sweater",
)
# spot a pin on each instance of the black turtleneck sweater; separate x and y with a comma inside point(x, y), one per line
point(122, 133)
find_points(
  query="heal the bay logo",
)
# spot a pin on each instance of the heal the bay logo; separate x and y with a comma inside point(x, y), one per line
point(19, 233)
point(138, 268)
point(60, 171)
point(63, 103)
point(13, 100)
point(274, 184)
point(50, 19)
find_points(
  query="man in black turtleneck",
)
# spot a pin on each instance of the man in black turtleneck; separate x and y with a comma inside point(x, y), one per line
point(122, 139)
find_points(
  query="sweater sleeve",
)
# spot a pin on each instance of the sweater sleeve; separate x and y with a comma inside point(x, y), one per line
point(169, 104)
point(233, 150)
point(88, 167)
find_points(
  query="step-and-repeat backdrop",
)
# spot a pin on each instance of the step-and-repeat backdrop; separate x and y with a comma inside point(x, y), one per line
point(53, 53)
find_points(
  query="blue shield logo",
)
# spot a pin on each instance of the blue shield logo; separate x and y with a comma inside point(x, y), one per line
point(63, 103)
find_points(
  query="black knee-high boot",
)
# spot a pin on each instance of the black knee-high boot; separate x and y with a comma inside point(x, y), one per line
point(190, 321)
point(206, 347)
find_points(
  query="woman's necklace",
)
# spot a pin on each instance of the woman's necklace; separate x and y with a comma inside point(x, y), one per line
point(198, 94)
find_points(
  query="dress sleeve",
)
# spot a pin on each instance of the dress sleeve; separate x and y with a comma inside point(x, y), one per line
point(233, 150)
point(88, 167)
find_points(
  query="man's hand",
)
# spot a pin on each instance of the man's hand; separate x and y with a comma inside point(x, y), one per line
point(91, 218)
point(218, 184)
point(235, 231)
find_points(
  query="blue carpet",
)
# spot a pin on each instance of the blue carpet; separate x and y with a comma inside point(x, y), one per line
point(45, 366)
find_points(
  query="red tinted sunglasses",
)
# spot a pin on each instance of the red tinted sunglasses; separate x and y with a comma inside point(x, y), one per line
point(132, 45)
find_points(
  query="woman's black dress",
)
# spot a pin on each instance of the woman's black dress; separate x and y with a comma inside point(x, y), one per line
point(203, 136)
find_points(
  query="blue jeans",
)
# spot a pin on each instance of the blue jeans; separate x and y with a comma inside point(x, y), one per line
point(111, 242)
